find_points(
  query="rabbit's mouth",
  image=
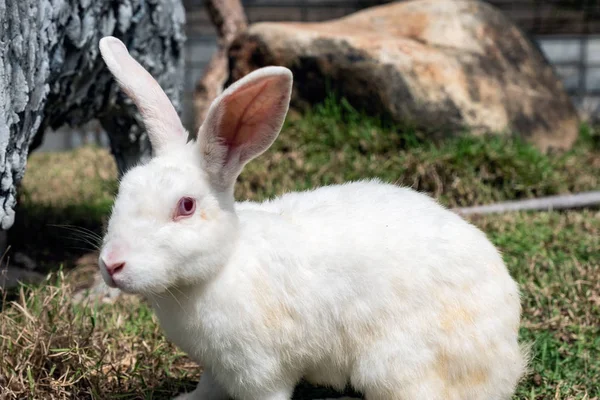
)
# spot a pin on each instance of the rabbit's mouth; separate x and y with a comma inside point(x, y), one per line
point(110, 282)
point(121, 282)
point(112, 274)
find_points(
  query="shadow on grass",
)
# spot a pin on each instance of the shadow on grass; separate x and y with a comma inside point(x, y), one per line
point(171, 387)
point(306, 391)
point(53, 236)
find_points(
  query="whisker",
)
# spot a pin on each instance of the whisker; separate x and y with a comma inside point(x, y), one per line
point(82, 248)
point(183, 294)
point(174, 298)
point(153, 300)
point(80, 229)
point(93, 245)
point(83, 235)
point(156, 303)
point(90, 232)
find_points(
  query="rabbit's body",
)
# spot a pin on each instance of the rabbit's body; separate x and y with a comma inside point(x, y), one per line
point(365, 284)
point(406, 298)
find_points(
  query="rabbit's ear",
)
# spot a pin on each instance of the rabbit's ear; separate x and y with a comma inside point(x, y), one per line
point(160, 118)
point(243, 122)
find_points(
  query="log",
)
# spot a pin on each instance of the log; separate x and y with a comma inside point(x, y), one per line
point(559, 202)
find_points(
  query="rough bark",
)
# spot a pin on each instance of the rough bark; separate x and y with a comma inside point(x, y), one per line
point(51, 74)
point(229, 19)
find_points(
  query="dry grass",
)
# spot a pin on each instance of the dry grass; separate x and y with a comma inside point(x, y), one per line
point(54, 349)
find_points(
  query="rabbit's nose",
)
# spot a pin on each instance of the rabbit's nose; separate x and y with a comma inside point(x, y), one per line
point(113, 268)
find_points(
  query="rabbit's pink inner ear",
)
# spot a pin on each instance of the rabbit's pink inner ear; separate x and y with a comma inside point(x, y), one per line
point(243, 122)
point(252, 116)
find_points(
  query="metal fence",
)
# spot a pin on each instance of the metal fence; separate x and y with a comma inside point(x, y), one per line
point(567, 31)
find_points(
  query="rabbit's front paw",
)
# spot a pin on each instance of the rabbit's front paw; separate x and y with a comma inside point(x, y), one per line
point(207, 389)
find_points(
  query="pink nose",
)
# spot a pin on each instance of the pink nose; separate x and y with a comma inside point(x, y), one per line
point(114, 267)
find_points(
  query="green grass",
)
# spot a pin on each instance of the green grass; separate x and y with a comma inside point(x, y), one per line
point(555, 259)
point(53, 348)
point(334, 143)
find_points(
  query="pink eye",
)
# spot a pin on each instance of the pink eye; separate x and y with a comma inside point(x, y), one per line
point(185, 207)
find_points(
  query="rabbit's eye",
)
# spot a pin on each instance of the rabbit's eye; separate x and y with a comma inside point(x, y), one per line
point(185, 207)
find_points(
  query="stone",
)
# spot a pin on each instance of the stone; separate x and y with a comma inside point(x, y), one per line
point(443, 66)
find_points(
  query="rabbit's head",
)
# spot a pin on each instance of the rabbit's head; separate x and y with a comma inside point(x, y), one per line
point(173, 221)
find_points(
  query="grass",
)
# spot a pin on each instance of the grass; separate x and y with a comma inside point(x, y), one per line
point(335, 143)
point(53, 348)
point(555, 259)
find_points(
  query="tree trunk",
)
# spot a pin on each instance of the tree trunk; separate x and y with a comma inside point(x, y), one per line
point(52, 74)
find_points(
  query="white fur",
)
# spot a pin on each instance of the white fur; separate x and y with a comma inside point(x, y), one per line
point(161, 120)
point(366, 283)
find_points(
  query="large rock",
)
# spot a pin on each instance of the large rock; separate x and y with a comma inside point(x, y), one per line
point(51, 74)
point(441, 65)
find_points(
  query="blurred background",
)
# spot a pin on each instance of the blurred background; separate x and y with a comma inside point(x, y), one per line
point(567, 31)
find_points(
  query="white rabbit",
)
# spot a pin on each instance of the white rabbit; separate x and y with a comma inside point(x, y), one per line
point(366, 283)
